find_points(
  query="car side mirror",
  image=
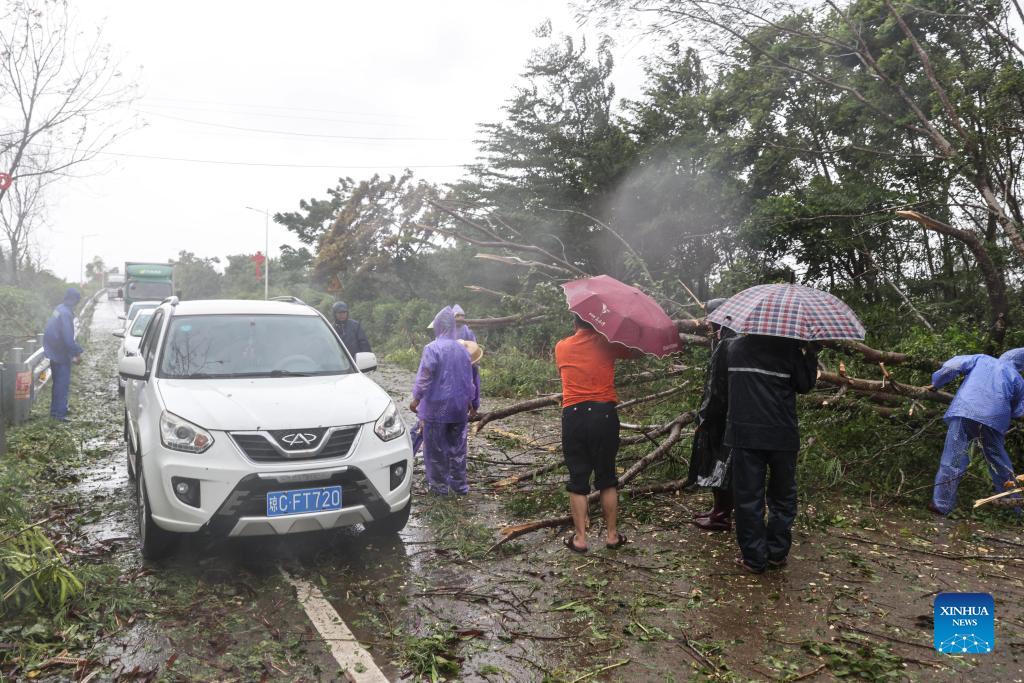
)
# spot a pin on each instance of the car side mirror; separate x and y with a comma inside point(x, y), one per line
point(132, 367)
point(366, 361)
point(118, 333)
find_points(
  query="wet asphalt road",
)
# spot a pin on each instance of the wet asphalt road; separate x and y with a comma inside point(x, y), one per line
point(385, 589)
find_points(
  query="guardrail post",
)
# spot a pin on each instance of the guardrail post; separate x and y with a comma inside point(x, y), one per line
point(22, 385)
point(3, 413)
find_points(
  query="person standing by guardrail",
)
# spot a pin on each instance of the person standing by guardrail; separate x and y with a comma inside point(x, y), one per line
point(60, 347)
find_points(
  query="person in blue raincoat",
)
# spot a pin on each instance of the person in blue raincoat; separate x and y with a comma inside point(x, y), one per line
point(443, 395)
point(462, 330)
point(60, 347)
point(991, 395)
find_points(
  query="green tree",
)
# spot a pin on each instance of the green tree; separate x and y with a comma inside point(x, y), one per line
point(549, 169)
point(196, 277)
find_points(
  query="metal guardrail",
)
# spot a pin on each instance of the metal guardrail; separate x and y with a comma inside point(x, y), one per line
point(25, 373)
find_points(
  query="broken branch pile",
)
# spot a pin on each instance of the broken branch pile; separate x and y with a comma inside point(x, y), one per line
point(675, 435)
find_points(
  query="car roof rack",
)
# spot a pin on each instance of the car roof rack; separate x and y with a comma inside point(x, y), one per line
point(288, 299)
point(172, 300)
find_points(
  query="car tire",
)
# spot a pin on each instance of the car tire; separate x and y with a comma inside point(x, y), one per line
point(130, 458)
point(391, 524)
point(155, 543)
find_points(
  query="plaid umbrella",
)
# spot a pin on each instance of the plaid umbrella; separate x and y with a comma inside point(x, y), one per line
point(792, 311)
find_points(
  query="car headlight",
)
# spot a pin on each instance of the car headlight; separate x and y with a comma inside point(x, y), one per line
point(179, 434)
point(389, 425)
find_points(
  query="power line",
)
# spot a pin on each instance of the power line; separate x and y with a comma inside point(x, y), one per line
point(223, 162)
point(283, 107)
point(390, 124)
point(303, 135)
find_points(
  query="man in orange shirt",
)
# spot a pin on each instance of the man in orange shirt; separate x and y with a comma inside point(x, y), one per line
point(590, 427)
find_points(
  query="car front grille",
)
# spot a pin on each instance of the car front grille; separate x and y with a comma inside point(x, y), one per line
point(260, 449)
point(249, 498)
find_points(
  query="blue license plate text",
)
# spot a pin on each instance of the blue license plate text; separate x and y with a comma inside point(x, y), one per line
point(299, 501)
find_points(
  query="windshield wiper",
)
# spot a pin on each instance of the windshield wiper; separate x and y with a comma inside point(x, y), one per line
point(199, 375)
point(289, 373)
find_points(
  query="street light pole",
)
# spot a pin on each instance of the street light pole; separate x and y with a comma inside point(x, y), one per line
point(266, 250)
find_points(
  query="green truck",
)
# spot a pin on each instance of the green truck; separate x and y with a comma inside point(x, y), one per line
point(147, 282)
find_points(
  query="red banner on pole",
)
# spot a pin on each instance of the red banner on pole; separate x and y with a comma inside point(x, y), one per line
point(23, 386)
point(5, 180)
point(258, 259)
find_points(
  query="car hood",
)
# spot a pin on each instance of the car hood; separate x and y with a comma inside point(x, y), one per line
point(275, 403)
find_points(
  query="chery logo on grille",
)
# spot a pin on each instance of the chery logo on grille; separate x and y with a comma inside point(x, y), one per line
point(299, 439)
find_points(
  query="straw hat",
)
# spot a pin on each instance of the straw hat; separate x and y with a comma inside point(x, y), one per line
point(475, 351)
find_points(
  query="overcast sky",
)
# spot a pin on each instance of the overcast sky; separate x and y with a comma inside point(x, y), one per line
point(343, 87)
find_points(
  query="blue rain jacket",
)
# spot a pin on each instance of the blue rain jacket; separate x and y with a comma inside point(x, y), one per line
point(992, 392)
point(444, 383)
point(59, 343)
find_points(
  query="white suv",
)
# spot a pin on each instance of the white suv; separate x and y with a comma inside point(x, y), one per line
point(247, 418)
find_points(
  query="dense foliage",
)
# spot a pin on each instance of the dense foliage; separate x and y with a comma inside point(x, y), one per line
point(779, 145)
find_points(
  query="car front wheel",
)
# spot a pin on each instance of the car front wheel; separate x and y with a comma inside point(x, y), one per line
point(128, 449)
point(391, 524)
point(156, 543)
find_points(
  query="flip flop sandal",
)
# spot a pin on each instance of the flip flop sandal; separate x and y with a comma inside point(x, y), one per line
point(619, 543)
point(570, 543)
point(777, 564)
point(741, 563)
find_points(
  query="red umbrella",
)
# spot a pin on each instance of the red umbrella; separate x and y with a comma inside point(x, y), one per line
point(623, 314)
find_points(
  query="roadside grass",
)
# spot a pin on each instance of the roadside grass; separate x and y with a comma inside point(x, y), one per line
point(59, 593)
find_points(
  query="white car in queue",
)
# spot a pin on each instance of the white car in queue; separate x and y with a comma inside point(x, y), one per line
point(131, 335)
point(247, 418)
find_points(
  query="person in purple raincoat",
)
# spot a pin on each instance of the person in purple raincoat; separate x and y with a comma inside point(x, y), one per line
point(462, 330)
point(442, 397)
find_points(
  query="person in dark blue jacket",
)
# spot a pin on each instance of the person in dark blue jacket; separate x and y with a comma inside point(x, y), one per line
point(350, 331)
point(991, 395)
point(764, 376)
point(60, 347)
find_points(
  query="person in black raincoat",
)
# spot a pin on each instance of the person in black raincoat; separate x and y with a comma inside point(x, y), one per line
point(764, 376)
point(350, 331)
point(709, 459)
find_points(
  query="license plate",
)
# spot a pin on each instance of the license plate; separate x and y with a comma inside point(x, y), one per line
point(298, 501)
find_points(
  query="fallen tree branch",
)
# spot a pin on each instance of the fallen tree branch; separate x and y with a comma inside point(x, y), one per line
point(515, 531)
point(516, 408)
point(504, 321)
point(523, 263)
point(885, 387)
point(877, 356)
point(556, 399)
point(648, 433)
point(652, 397)
point(699, 331)
point(501, 242)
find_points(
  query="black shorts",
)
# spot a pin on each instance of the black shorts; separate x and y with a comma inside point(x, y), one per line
point(590, 442)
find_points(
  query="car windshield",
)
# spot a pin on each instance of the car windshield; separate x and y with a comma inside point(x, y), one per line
point(207, 346)
point(142, 289)
point(136, 307)
point(141, 320)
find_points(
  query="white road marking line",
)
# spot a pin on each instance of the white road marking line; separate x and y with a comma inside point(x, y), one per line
point(355, 661)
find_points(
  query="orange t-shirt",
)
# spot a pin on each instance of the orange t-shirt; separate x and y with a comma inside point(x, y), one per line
point(586, 363)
